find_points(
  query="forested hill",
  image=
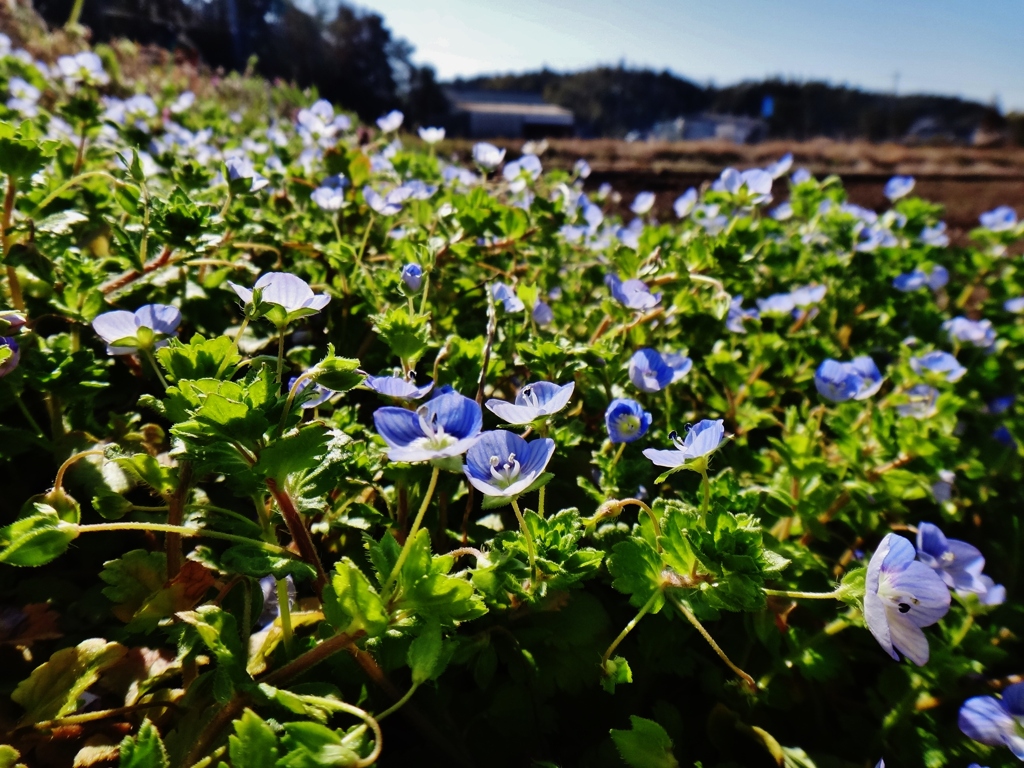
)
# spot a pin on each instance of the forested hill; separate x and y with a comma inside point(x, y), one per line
point(611, 101)
point(352, 58)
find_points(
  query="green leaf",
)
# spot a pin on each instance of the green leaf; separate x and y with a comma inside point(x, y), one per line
point(132, 579)
point(295, 452)
point(148, 469)
point(311, 745)
point(636, 568)
point(9, 757)
point(406, 335)
point(424, 654)
point(36, 539)
point(144, 751)
point(219, 632)
point(250, 560)
point(338, 373)
point(350, 602)
point(53, 688)
point(254, 744)
point(201, 358)
point(426, 589)
point(615, 672)
point(645, 745)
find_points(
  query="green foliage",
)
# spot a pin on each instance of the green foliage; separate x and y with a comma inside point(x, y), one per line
point(645, 744)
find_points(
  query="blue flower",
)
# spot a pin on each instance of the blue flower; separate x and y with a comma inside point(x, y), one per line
point(737, 315)
point(487, 156)
point(685, 203)
point(242, 168)
point(978, 333)
point(502, 463)
point(147, 328)
point(581, 168)
point(899, 186)
point(649, 372)
point(808, 295)
point(958, 563)
point(391, 122)
point(385, 205)
point(938, 277)
point(8, 365)
point(542, 314)
point(994, 594)
point(942, 489)
point(431, 135)
point(902, 595)
point(626, 420)
point(291, 294)
point(521, 172)
point(920, 402)
point(447, 425)
point(935, 236)
point(542, 398)
point(632, 293)
point(776, 304)
point(642, 203)
point(507, 297)
point(316, 396)
point(801, 176)
point(1014, 305)
point(703, 439)
point(856, 380)
point(629, 236)
point(780, 167)
point(999, 219)
point(938, 363)
point(679, 363)
point(1004, 436)
point(996, 722)
point(910, 281)
point(412, 276)
point(404, 388)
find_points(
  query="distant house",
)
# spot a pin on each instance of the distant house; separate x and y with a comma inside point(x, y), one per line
point(505, 114)
point(735, 128)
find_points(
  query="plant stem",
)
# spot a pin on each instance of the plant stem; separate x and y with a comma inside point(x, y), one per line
point(366, 239)
point(280, 354)
point(12, 275)
point(58, 482)
point(833, 595)
point(175, 516)
point(618, 454)
point(19, 401)
point(540, 501)
point(711, 641)
point(962, 632)
point(76, 13)
point(398, 704)
point(648, 510)
point(530, 551)
point(291, 398)
point(404, 554)
point(285, 608)
point(184, 530)
point(707, 493)
point(152, 361)
point(299, 533)
point(629, 627)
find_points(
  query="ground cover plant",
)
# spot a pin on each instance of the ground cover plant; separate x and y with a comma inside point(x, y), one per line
point(322, 447)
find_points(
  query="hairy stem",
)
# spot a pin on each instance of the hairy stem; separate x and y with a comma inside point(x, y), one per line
point(629, 627)
point(711, 641)
point(299, 533)
point(404, 554)
point(530, 551)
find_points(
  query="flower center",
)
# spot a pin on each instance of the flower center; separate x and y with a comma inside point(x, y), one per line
point(434, 437)
point(904, 603)
point(505, 473)
point(628, 424)
point(529, 397)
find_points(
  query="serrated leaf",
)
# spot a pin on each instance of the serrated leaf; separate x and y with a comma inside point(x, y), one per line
point(636, 568)
point(132, 579)
point(250, 560)
point(295, 452)
point(53, 687)
point(200, 358)
point(615, 672)
point(424, 654)
point(37, 539)
point(645, 745)
point(350, 602)
point(145, 750)
point(254, 744)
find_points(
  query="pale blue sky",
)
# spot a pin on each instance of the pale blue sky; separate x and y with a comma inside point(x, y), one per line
point(973, 48)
